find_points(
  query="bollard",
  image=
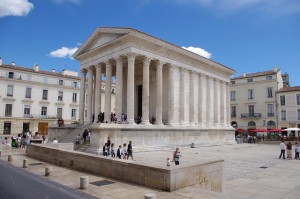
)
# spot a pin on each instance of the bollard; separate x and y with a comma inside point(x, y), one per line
point(84, 182)
point(48, 171)
point(150, 196)
point(10, 158)
point(25, 163)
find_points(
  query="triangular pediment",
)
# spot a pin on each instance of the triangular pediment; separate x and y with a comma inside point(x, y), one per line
point(101, 37)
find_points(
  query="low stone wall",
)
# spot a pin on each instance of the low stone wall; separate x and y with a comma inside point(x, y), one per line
point(64, 146)
point(208, 175)
point(157, 136)
point(59, 132)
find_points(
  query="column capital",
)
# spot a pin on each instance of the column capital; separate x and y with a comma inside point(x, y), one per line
point(183, 69)
point(160, 63)
point(118, 59)
point(98, 67)
point(147, 59)
point(107, 62)
point(131, 56)
point(83, 71)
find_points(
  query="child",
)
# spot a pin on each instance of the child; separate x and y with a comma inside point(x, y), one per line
point(168, 161)
point(124, 151)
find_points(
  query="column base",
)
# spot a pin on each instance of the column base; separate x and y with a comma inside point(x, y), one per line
point(146, 123)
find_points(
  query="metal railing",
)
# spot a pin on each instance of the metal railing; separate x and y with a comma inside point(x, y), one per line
point(250, 115)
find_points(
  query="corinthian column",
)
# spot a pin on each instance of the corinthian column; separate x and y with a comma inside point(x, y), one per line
point(171, 104)
point(98, 92)
point(82, 95)
point(186, 97)
point(227, 106)
point(130, 88)
point(159, 68)
point(217, 94)
point(145, 100)
point(211, 102)
point(222, 103)
point(204, 100)
point(196, 99)
point(89, 95)
point(107, 107)
point(119, 83)
point(192, 99)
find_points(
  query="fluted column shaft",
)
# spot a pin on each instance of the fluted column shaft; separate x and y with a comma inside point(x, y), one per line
point(130, 88)
point(196, 98)
point(82, 96)
point(171, 96)
point(98, 92)
point(89, 95)
point(119, 90)
point(218, 103)
point(159, 68)
point(145, 100)
point(204, 97)
point(192, 99)
point(108, 92)
point(223, 101)
point(181, 97)
point(227, 106)
point(211, 102)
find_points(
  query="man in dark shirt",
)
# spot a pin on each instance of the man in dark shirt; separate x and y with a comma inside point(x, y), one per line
point(129, 150)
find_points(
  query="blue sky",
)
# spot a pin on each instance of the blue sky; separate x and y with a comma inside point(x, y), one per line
point(246, 35)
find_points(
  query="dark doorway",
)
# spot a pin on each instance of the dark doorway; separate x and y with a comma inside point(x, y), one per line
point(25, 127)
point(140, 102)
point(7, 128)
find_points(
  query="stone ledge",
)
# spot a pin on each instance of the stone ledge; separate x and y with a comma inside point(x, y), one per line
point(206, 175)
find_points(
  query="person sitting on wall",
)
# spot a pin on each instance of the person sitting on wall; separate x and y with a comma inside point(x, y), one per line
point(61, 122)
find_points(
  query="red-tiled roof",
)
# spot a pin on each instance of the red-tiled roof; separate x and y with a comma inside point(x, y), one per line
point(289, 89)
point(38, 72)
point(264, 73)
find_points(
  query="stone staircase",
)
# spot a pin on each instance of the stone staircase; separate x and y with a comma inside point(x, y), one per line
point(70, 137)
point(82, 147)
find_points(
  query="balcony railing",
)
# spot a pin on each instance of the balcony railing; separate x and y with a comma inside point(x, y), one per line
point(271, 114)
point(233, 115)
point(250, 115)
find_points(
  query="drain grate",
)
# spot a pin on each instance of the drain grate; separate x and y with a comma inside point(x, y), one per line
point(35, 164)
point(263, 167)
point(102, 183)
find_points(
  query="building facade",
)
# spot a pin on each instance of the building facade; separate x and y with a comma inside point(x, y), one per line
point(153, 80)
point(32, 99)
point(288, 99)
point(253, 100)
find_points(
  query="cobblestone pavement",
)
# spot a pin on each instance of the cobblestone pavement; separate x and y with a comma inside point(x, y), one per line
point(252, 171)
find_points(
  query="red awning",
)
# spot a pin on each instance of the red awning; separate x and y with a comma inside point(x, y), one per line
point(240, 130)
point(275, 130)
point(258, 130)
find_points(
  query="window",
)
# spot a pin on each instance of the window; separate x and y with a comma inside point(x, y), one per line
point(10, 90)
point(269, 77)
point(269, 92)
point(8, 110)
point(75, 84)
point(233, 111)
point(44, 111)
point(61, 82)
point(251, 110)
point(283, 115)
point(11, 75)
point(282, 100)
point(45, 94)
point(74, 98)
point(73, 114)
point(60, 96)
point(232, 96)
point(28, 93)
point(298, 112)
point(59, 113)
point(250, 94)
point(232, 82)
point(270, 110)
point(298, 99)
point(250, 80)
point(26, 110)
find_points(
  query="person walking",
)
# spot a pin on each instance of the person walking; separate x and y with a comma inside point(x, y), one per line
point(119, 152)
point(176, 156)
point(108, 145)
point(124, 151)
point(84, 135)
point(130, 151)
point(282, 149)
point(289, 150)
point(112, 150)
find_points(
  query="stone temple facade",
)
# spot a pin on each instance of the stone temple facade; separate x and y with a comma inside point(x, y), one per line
point(158, 82)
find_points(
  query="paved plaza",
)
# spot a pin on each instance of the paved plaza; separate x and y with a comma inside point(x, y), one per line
point(251, 171)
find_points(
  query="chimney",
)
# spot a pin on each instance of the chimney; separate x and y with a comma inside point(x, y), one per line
point(1, 61)
point(244, 74)
point(275, 68)
point(53, 70)
point(36, 67)
point(13, 63)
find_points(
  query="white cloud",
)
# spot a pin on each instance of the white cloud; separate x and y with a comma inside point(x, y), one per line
point(199, 51)
point(63, 52)
point(15, 8)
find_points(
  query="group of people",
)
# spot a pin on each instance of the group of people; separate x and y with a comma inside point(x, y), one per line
point(122, 152)
point(288, 148)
